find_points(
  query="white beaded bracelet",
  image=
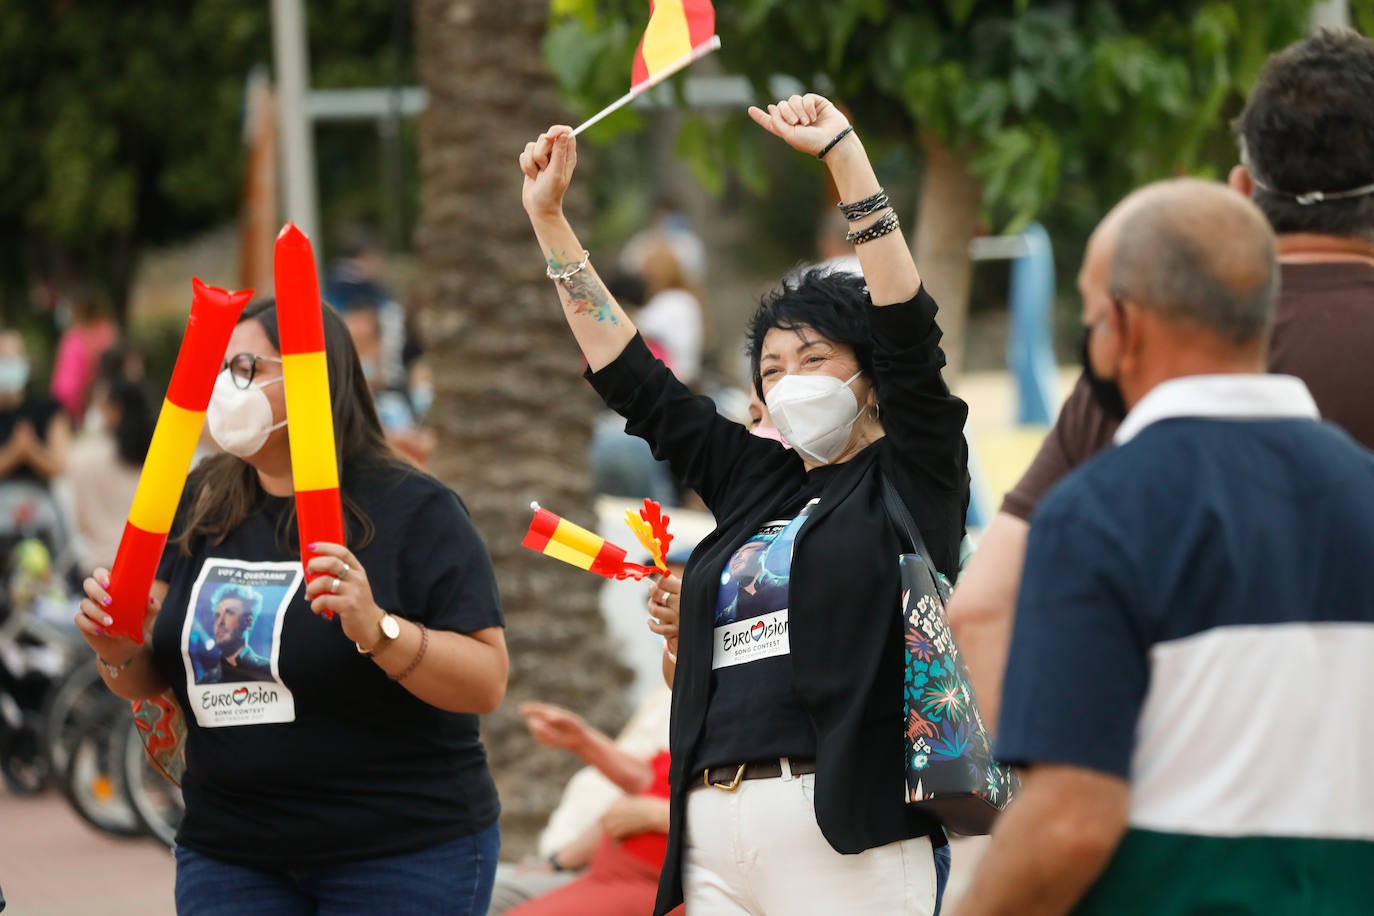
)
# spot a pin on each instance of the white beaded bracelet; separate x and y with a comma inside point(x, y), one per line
point(572, 271)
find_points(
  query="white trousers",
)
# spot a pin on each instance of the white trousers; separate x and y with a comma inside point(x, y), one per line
point(757, 850)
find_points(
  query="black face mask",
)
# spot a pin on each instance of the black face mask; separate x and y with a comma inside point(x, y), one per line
point(1105, 391)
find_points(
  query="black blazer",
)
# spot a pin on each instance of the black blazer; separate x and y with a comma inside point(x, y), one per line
point(844, 620)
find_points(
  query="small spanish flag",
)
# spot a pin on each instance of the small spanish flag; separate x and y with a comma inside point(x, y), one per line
point(559, 538)
point(677, 31)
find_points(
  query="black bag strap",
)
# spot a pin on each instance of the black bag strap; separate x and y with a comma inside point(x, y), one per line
point(897, 512)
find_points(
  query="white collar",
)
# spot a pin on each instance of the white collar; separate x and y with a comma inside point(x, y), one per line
point(1221, 397)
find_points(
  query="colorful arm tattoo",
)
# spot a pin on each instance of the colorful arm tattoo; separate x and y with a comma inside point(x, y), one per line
point(587, 295)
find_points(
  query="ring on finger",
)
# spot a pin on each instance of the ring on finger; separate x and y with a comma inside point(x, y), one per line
point(334, 587)
point(343, 573)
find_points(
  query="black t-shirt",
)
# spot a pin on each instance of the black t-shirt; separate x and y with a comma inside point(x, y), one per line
point(753, 713)
point(301, 751)
point(38, 411)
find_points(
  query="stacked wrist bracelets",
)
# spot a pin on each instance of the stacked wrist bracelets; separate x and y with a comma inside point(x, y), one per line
point(874, 203)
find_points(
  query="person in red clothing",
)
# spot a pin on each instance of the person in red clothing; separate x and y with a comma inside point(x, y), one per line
point(631, 838)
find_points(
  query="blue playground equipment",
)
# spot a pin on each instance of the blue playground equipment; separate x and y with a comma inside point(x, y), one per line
point(1030, 346)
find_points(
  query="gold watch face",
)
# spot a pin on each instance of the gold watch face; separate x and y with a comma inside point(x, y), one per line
point(391, 628)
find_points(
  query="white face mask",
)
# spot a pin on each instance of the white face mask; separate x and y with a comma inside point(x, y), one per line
point(14, 374)
point(814, 413)
point(240, 419)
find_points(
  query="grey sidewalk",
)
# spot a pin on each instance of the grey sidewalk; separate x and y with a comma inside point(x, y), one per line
point(53, 864)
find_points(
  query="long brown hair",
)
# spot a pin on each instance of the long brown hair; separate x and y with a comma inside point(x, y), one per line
point(225, 489)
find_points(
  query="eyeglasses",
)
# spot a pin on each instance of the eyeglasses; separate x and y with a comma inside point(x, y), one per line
point(243, 367)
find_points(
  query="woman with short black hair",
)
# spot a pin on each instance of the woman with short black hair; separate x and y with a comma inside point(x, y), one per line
point(788, 777)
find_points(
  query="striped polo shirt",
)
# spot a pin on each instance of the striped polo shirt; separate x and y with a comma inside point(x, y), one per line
point(1197, 617)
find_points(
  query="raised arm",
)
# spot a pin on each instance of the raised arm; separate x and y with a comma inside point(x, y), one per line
point(600, 325)
point(812, 124)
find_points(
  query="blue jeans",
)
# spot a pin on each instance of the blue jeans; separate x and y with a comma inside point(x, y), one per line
point(453, 878)
point(942, 862)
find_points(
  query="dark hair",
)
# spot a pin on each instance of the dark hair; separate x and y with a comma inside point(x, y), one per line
point(134, 431)
point(226, 488)
point(1309, 126)
point(831, 302)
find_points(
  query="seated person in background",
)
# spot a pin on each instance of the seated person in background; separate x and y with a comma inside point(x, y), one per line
point(105, 463)
point(568, 842)
point(627, 845)
point(394, 408)
point(34, 434)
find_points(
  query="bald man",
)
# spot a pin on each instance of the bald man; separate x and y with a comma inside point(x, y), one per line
point(1196, 612)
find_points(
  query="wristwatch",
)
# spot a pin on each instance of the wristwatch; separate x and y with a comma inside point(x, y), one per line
point(390, 627)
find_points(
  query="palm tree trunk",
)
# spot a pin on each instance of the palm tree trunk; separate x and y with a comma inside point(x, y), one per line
point(512, 413)
point(950, 208)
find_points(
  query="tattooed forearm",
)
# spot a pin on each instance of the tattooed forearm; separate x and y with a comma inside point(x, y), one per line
point(587, 295)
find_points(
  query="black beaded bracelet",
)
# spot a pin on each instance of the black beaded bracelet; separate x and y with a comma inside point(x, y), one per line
point(882, 227)
point(836, 139)
point(866, 207)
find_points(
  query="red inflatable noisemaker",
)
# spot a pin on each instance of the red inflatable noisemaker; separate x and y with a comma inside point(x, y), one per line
point(309, 409)
point(214, 312)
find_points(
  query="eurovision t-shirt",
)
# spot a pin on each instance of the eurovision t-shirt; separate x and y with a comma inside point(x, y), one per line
point(753, 712)
point(300, 750)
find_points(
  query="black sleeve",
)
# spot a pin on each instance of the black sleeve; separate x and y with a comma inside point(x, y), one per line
point(922, 419)
point(447, 580)
point(707, 452)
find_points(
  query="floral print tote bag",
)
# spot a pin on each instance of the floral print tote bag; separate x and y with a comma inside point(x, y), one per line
point(950, 771)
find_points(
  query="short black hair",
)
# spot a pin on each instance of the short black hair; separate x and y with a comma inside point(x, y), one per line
point(833, 303)
point(1309, 126)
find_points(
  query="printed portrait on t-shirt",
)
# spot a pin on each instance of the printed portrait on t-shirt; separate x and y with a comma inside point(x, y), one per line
point(751, 606)
point(232, 642)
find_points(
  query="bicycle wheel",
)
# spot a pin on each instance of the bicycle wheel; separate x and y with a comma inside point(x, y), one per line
point(79, 691)
point(153, 798)
point(94, 781)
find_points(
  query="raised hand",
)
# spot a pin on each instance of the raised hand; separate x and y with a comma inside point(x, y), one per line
point(548, 164)
point(807, 122)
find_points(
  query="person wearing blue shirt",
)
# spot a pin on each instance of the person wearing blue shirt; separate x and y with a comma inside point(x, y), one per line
point(1189, 658)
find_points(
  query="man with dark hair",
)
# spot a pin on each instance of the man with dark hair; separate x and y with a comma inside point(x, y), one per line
point(1197, 608)
point(1307, 138)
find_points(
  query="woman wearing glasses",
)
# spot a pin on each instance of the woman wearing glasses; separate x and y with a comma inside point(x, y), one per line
point(352, 779)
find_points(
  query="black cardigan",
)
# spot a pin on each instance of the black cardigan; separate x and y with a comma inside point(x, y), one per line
point(843, 596)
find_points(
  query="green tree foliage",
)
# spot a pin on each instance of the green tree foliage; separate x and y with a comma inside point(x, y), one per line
point(120, 123)
point(1031, 95)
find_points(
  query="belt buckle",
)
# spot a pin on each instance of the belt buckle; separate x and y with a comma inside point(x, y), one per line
point(724, 786)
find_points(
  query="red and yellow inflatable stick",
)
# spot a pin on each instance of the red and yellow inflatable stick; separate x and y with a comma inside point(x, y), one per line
point(214, 312)
point(309, 410)
point(559, 538)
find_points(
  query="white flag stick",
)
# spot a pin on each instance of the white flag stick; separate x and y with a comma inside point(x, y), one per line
point(697, 53)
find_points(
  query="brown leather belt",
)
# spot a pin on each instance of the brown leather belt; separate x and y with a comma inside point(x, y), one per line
point(728, 778)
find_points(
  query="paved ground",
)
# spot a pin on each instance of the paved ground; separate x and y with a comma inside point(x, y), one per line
point(52, 864)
